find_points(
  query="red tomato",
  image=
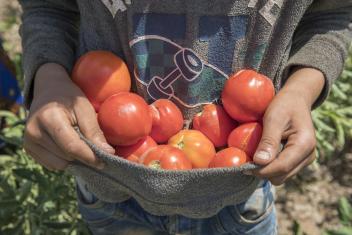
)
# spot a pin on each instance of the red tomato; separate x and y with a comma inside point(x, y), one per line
point(215, 123)
point(133, 158)
point(101, 74)
point(125, 119)
point(246, 95)
point(167, 120)
point(135, 151)
point(166, 157)
point(197, 147)
point(229, 157)
point(246, 137)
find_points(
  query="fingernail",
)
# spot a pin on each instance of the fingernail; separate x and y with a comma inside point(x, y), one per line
point(247, 173)
point(264, 155)
point(108, 148)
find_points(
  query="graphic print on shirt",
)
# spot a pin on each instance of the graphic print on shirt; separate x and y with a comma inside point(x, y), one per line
point(165, 69)
point(115, 5)
point(169, 71)
point(195, 74)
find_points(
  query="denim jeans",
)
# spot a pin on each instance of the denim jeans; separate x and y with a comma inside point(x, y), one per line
point(256, 216)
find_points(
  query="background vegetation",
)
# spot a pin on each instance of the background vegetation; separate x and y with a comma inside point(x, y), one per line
point(35, 201)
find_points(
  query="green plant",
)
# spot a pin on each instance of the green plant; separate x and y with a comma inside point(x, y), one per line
point(345, 216)
point(333, 120)
point(33, 200)
point(297, 228)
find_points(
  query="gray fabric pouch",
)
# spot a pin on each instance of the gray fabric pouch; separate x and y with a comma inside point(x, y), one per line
point(198, 193)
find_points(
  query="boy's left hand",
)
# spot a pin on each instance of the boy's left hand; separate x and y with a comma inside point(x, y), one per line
point(288, 118)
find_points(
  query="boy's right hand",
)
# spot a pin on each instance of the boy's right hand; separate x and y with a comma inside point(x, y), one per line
point(58, 105)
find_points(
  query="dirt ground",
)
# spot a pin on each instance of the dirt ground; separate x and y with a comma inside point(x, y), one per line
point(9, 27)
point(309, 199)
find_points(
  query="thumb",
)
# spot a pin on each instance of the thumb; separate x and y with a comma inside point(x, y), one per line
point(270, 143)
point(88, 124)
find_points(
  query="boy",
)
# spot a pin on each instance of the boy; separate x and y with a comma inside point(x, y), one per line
point(300, 44)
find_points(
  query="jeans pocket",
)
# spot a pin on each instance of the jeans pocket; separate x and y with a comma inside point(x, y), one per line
point(249, 216)
point(95, 212)
point(85, 198)
point(257, 207)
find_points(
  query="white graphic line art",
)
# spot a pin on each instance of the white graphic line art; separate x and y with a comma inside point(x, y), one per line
point(157, 37)
point(188, 68)
point(174, 97)
point(114, 6)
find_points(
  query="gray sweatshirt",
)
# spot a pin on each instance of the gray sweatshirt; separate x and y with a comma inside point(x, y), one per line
point(184, 51)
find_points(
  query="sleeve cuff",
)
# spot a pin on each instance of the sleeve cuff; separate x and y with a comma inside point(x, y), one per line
point(32, 62)
point(319, 55)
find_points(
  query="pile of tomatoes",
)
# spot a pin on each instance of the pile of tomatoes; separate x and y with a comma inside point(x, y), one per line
point(153, 134)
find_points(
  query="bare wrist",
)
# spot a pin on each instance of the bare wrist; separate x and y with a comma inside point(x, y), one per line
point(306, 83)
point(47, 77)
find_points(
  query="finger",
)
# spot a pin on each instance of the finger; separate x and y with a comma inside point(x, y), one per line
point(31, 134)
point(47, 143)
point(51, 146)
point(278, 180)
point(88, 124)
point(297, 149)
point(46, 158)
point(34, 134)
point(274, 126)
point(60, 129)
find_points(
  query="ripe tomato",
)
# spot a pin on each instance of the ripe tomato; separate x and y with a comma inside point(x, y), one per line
point(125, 119)
point(215, 123)
point(101, 74)
point(133, 158)
point(166, 157)
point(167, 120)
point(229, 157)
point(246, 137)
point(198, 148)
point(135, 151)
point(246, 95)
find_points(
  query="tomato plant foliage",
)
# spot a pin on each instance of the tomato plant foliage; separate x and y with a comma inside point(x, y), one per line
point(33, 200)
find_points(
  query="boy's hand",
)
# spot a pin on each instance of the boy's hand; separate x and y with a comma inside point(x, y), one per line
point(288, 118)
point(57, 106)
